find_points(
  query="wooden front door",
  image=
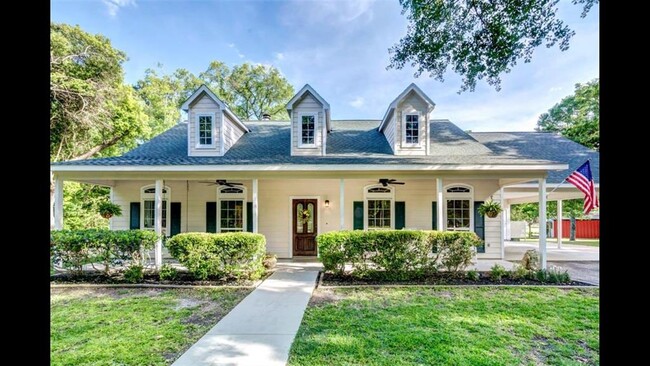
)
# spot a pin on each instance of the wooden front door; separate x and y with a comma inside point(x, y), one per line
point(304, 226)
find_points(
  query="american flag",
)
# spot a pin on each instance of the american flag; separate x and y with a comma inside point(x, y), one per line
point(584, 181)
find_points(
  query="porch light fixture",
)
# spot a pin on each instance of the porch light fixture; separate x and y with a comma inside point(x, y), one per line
point(327, 203)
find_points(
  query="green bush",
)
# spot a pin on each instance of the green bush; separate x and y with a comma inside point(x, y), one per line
point(75, 248)
point(134, 274)
point(167, 272)
point(520, 272)
point(472, 275)
point(552, 275)
point(497, 272)
point(395, 252)
point(207, 255)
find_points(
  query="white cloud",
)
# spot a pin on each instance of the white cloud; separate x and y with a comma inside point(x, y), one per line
point(114, 6)
point(231, 45)
point(357, 102)
point(555, 88)
point(241, 55)
point(279, 56)
point(329, 11)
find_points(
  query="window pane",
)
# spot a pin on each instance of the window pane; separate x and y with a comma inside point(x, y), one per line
point(299, 224)
point(310, 221)
point(379, 214)
point(205, 130)
point(308, 128)
point(232, 215)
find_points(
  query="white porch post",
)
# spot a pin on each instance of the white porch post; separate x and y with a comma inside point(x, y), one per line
point(503, 225)
point(559, 224)
point(255, 206)
point(440, 204)
point(342, 203)
point(542, 223)
point(506, 212)
point(58, 203)
point(158, 221)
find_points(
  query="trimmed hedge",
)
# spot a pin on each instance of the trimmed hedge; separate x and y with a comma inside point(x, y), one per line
point(74, 248)
point(396, 252)
point(207, 255)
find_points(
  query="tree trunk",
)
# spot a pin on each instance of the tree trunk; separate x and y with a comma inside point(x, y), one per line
point(572, 235)
point(530, 229)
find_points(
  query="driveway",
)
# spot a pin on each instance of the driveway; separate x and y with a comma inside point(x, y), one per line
point(587, 271)
point(514, 251)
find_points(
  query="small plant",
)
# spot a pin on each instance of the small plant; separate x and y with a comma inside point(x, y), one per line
point(497, 272)
point(109, 209)
point(167, 272)
point(552, 275)
point(530, 260)
point(490, 208)
point(472, 275)
point(134, 274)
point(520, 272)
point(270, 260)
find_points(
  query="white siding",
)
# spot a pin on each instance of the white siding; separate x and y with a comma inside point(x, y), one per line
point(275, 212)
point(310, 105)
point(231, 133)
point(411, 103)
point(389, 132)
point(204, 104)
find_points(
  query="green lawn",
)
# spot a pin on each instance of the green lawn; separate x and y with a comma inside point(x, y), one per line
point(449, 326)
point(113, 326)
point(588, 242)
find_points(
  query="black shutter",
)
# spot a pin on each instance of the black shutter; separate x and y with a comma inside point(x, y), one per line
point(479, 226)
point(434, 215)
point(249, 217)
point(211, 217)
point(134, 222)
point(358, 215)
point(400, 215)
point(175, 221)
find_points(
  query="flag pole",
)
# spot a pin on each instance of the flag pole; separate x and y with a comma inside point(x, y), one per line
point(563, 180)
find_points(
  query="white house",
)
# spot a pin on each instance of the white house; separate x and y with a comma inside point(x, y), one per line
point(291, 180)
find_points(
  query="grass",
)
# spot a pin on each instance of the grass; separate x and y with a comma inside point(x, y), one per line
point(113, 326)
point(449, 326)
point(587, 242)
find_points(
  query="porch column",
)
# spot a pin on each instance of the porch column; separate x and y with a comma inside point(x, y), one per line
point(506, 212)
point(542, 223)
point(559, 224)
point(342, 203)
point(440, 205)
point(158, 221)
point(503, 224)
point(58, 203)
point(255, 206)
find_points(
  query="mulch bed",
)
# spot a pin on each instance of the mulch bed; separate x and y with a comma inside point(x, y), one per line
point(149, 278)
point(329, 279)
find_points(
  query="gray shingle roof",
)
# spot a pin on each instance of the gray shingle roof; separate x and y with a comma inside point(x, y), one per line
point(542, 145)
point(350, 142)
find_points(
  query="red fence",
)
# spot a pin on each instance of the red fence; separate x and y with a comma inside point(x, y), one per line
point(585, 229)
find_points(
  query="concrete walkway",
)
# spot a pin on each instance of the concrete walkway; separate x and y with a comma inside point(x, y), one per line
point(261, 328)
point(514, 251)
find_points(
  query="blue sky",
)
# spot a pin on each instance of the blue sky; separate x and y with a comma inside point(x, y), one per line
point(338, 47)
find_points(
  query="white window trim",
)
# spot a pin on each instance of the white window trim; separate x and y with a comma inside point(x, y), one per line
point(300, 144)
point(420, 137)
point(232, 197)
point(197, 125)
point(152, 197)
point(469, 196)
point(378, 196)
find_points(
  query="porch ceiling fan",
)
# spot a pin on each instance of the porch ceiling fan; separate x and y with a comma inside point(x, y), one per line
point(385, 181)
point(222, 182)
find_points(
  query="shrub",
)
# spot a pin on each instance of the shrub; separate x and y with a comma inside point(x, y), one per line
point(270, 260)
point(520, 272)
point(109, 209)
point(395, 253)
point(207, 255)
point(530, 260)
point(553, 275)
point(167, 272)
point(497, 272)
point(74, 248)
point(134, 273)
point(472, 275)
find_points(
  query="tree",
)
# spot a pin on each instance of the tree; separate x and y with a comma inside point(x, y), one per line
point(479, 39)
point(577, 116)
point(529, 212)
point(92, 111)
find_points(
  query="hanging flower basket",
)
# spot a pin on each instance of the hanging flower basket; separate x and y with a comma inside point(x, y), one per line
point(490, 208)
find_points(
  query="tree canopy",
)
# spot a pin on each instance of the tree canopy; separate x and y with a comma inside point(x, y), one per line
point(577, 116)
point(478, 39)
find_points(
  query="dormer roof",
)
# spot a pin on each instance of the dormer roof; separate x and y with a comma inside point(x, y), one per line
point(204, 89)
point(393, 104)
point(301, 93)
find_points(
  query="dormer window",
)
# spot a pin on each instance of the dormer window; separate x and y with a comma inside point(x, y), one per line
point(307, 130)
point(205, 130)
point(412, 129)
